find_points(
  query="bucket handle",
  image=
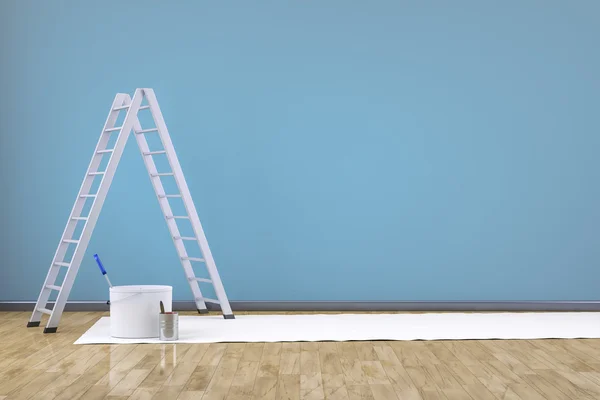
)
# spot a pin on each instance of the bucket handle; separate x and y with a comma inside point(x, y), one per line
point(124, 298)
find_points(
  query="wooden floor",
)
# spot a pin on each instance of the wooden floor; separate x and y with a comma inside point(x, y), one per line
point(38, 366)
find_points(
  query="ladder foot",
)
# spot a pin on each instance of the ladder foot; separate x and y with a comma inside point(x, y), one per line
point(31, 324)
point(202, 311)
point(50, 330)
point(230, 316)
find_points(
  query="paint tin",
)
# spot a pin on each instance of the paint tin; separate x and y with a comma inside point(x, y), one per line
point(168, 326)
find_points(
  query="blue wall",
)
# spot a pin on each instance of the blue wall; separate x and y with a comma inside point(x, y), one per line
point(339, 150)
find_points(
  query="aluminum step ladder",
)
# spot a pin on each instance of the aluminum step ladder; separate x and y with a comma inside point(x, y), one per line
point(78, 246)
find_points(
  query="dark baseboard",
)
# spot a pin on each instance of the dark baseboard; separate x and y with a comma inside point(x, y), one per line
point(346, 306)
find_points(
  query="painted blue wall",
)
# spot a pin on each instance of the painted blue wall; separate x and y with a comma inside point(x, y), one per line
point(339, 150)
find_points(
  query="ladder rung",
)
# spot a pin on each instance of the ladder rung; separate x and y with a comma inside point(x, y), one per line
point(121, 108)
point(148, 130)
point(70, 241)
point(118, 128)
point(162, 196)
point(80, 218)
point(62, 264)
point(184, 238)
point(53, 287)
point(207, 300)
point(201, 280)
point(162, 174)
point(149, 153)
point(45, 311)
point(96, 173)
point(87, 195)
point(105, 151)
point(144, 107)
point(193, 259)
point(178, 217)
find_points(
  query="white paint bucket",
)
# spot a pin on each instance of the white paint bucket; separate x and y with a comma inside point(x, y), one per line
point(134, 310)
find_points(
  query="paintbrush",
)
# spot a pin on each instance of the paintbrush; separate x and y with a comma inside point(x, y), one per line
point(162, 307)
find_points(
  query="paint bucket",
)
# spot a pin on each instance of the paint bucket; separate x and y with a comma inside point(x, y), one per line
point(134, 310)
point(168, 326)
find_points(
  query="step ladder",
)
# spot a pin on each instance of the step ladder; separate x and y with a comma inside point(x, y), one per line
point(124, 103)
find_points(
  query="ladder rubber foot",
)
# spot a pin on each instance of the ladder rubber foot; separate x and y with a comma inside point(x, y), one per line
point(50, 330)
point(31, 324)
point(230, 316)
point(202, 311)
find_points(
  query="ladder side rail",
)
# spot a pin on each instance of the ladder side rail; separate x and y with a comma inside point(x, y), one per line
point(86, 234)
point(188, 202)
point(42, 300)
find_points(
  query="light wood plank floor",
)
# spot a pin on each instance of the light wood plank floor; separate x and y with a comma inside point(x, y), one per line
point(38, 366)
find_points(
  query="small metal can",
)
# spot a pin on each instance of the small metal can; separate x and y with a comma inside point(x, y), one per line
point(168, 326)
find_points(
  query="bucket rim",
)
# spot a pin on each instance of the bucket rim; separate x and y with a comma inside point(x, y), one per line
point(141, 289)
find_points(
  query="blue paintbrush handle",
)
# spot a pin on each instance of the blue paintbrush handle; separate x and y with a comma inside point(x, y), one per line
point(100, 264)
point(102, 270)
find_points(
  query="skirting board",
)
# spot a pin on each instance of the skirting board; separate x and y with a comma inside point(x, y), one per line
point(345, 306)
